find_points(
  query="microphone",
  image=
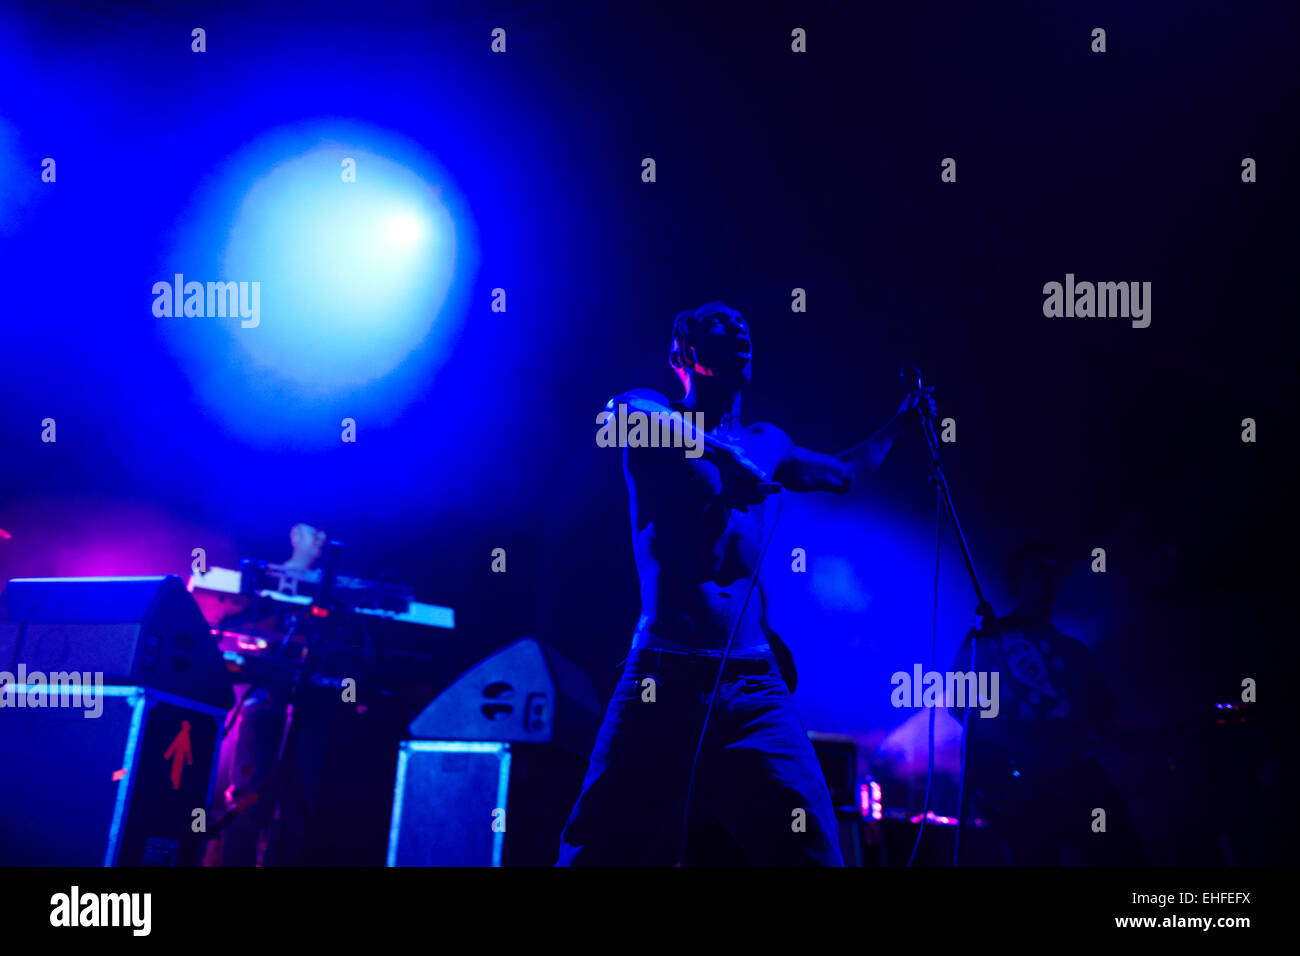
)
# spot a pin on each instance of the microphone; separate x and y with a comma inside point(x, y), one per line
point(910, 376)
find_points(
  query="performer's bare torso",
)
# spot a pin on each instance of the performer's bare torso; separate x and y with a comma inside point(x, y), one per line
point(700, 521)
point(696, 542)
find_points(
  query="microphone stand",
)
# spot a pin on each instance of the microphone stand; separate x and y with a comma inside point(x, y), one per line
point(982, 607)
point(287, 794)
point(278, 787)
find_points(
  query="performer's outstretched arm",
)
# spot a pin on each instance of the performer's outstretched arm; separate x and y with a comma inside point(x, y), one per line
point(806, 470)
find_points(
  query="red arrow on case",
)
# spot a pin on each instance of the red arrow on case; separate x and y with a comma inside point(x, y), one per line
point(180, 754)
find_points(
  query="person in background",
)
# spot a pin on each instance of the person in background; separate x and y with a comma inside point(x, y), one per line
point(1033, 771)
point(250, 749)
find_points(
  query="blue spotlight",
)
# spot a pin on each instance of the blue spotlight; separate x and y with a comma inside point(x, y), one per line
point(363, 255)
point(405, 230)
point(353, 274)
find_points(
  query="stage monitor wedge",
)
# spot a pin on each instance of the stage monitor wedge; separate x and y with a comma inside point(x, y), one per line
point(132, 631)
point(524, 693)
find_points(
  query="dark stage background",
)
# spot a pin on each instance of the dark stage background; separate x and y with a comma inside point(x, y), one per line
point(774, 171)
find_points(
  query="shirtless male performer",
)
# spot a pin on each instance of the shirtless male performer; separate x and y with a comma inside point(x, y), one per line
point(698, 529)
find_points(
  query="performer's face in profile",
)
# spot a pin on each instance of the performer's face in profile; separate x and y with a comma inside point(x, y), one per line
point(722, 346)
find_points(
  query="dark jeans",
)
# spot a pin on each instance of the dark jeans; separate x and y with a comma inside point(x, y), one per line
point(758, 776)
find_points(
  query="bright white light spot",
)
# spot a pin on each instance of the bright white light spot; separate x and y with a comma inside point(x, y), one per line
point(404, 230)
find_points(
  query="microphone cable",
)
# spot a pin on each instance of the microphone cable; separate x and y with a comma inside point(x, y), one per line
point(735, 629)
point(961, 786)
point(934, 632)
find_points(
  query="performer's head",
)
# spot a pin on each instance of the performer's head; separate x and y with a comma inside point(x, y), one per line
point(1033, 574)
point(711, 349)
point(308, 543)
